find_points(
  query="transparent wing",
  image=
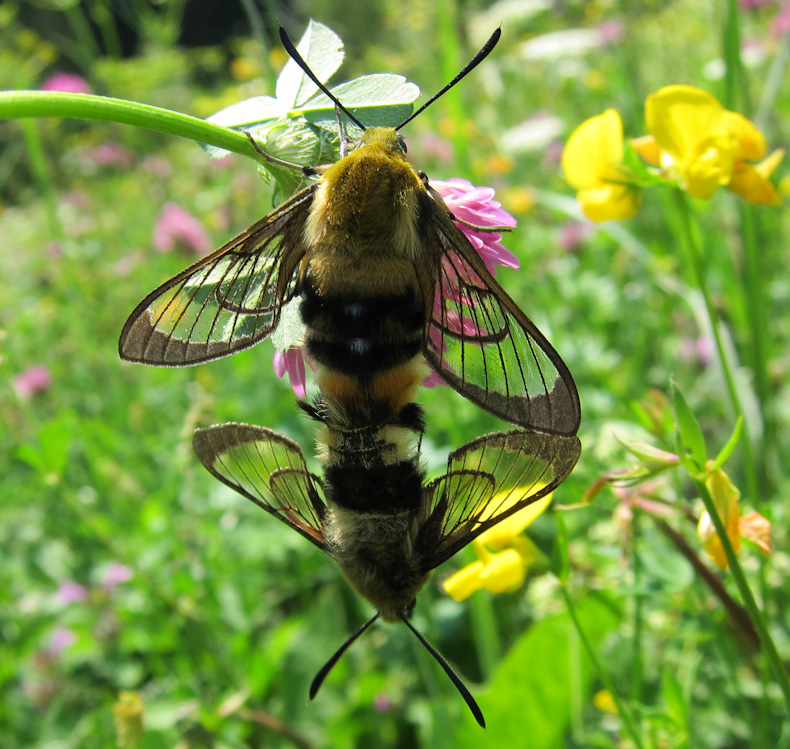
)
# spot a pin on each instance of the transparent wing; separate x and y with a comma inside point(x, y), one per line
point(490, 479)
point(267, 468)
point(227, 301)
point(485, 347)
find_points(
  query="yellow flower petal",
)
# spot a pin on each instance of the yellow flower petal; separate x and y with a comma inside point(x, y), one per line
point(690, 128)
point(756, 528)
point(725, 496)
point(710, 541)
point(751, 185)
point(609, 202)
point(463, 583)
point(504, 532)
point(594, 151)
point(648, 149)
point(749, 141)
point(593, 164)
point(604, 701)
point(504, 572)
point(680, 117)
point(768, 166)
point(710, 166)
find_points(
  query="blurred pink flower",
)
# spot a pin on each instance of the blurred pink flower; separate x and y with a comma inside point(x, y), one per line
point(610, 32)
point(157, 167)
point(116, 574)
point(61, 639)
point(748, 5)
point(111, 153)
point(70, 592)
point(552, 155)
point(434, 146)
point(32, 381)
point(292, 361)
point(177, 227)
point(382, 703)
point(574, 234)
point(701, 349)
point(780, 25)
point(68, 82)
point(476, 205)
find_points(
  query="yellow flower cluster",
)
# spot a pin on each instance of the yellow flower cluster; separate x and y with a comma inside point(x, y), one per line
point(503, 554)
point(693, 142)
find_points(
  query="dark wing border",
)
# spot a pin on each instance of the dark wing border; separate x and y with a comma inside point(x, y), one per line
point(525, 464)
point(494, 335)
point(289, 492)
point(254, 261)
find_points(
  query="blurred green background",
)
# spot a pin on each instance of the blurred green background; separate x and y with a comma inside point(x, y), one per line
point(124, 566)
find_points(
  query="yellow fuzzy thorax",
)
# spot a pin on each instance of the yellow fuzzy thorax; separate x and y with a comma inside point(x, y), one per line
point(370, 192)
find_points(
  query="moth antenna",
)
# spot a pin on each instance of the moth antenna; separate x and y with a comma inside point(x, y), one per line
point(327, 667)
point(468, 68)
point(459, 685)
point(297, 58)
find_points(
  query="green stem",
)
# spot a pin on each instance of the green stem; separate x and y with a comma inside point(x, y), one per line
point(749, 603)
point(637, 666)
point(78, 23)
point(486, 633)
point(756, 294)
point(562, 569)
point(449, 64)
point(603, 675)
point(259, 34)
point(698, 265)
point(103, 16)
point(735, 82)
point(42, 175)
point(17, 104)
point(773, 84)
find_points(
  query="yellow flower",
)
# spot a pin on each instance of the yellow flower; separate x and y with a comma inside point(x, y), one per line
point(725, 496)
point(593, 164)
point(704, 146)
point(604, 701)
point(752, 181)
point(753, 526)
point(503, 555)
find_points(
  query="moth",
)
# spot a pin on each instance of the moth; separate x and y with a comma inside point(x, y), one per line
point(387, 282)
point(388, 539)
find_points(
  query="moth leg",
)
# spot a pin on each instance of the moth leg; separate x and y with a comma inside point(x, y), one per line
point(308, 171)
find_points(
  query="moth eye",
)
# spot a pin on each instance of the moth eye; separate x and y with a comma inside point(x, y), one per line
point(402, 144)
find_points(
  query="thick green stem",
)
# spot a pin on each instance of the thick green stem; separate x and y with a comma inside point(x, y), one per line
point(17, 104)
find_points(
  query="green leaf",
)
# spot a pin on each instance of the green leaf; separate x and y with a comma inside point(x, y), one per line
point(692, 441)
point(376, 100)
point(536, 686)
point(726, 451)
point(290, 330)
point(560, 562)
point(322, 50)
point(50, 453)
point(297, 143)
